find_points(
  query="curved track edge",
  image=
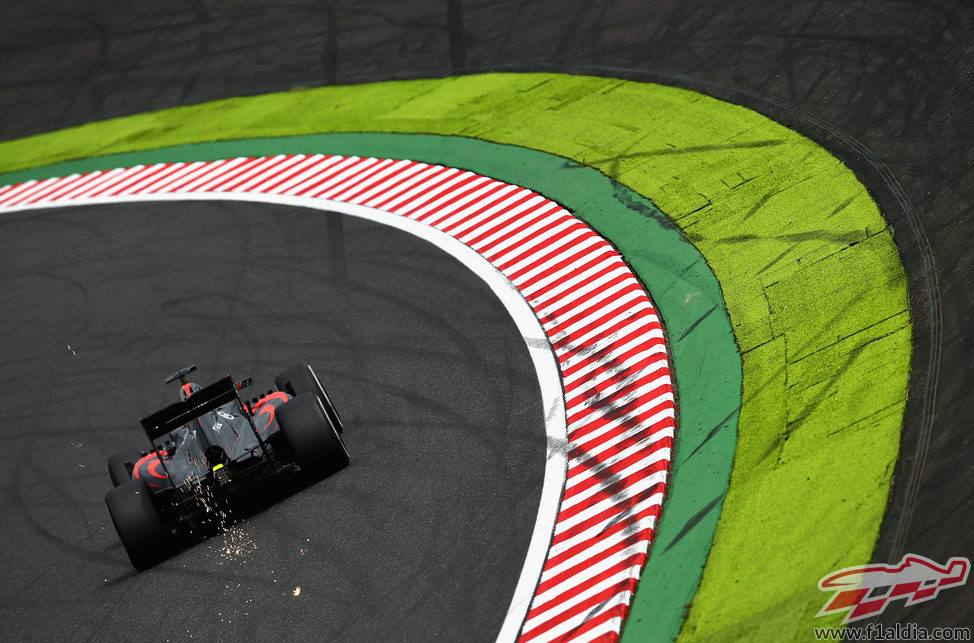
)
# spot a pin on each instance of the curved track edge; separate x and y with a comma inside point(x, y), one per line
point(705, 179)
point(688, 296)
point(610, 348)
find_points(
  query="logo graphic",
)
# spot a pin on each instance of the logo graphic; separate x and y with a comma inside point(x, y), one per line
point(866, 590)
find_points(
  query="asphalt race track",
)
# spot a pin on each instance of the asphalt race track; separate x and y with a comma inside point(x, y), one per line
point(886, 87)
point(440, 402)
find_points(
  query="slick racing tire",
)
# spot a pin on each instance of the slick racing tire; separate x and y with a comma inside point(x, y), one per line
point(301, 378)
point(317, 447)
point(139, 526)
point(121, 464)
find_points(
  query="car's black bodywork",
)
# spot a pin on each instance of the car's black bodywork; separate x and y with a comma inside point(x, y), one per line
point(213, 452)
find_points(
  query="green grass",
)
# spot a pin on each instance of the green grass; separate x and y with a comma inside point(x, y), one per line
point(809, 273)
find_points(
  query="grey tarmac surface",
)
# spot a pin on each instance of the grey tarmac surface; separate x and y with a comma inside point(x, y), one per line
point(885, 86)
point(440, 402)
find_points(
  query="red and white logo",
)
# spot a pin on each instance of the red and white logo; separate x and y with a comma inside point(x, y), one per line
point(866, 590)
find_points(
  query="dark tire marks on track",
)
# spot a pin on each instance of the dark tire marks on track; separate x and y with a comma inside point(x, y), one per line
point(440, 401)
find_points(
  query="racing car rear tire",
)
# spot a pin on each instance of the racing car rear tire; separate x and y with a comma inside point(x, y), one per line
point(139, 526)
point(317, 447)
point(121, 464)
point(301, 378)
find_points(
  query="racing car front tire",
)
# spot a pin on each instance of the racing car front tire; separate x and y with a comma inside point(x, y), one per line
point(139, 526)
point(121, 465)
point(301, 378)
point(317, 447)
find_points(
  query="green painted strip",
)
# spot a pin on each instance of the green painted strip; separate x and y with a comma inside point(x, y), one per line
point(809, 273)
point(705, 358)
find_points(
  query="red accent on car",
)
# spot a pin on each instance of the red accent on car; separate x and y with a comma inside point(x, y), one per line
point(151, 466)
point(266, 409)
point(142, 461)
point(277, 395)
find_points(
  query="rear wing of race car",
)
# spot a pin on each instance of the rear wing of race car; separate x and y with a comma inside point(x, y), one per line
point(176, 415)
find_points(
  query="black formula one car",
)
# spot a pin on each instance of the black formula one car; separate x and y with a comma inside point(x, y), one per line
point(212, 451)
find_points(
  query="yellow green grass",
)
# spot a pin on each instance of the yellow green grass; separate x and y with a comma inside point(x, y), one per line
point(809, 272)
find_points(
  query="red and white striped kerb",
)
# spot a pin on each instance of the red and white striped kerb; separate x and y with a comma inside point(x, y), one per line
point(602, 326)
